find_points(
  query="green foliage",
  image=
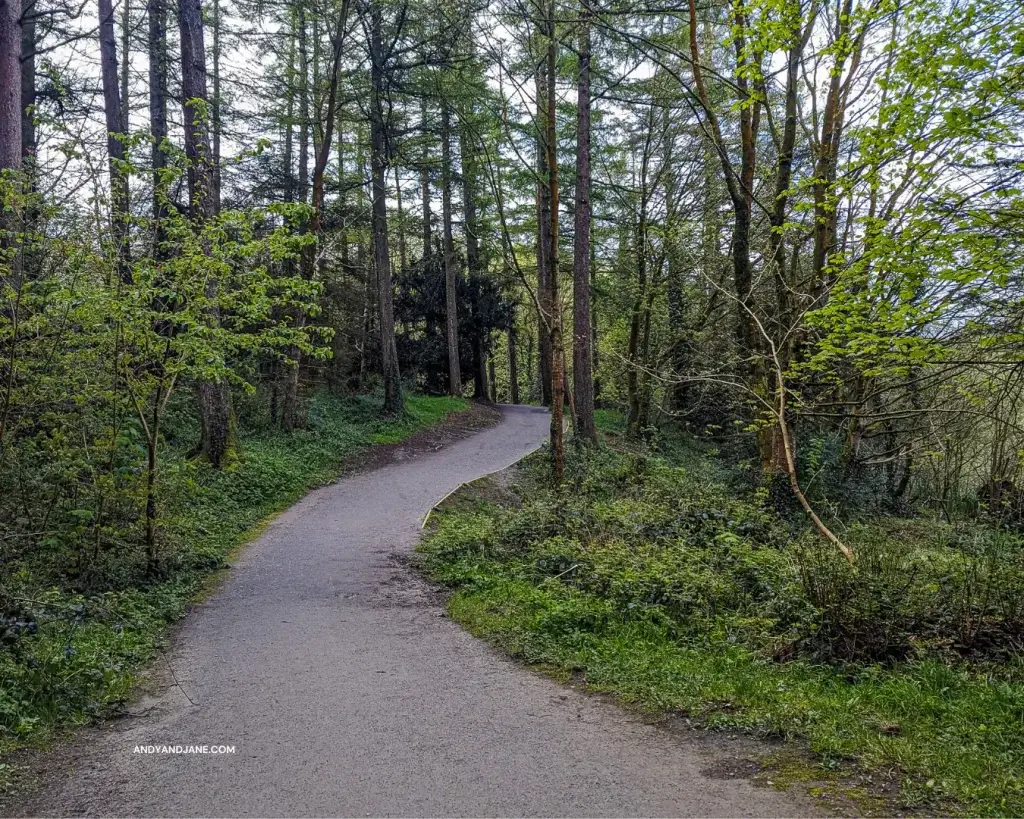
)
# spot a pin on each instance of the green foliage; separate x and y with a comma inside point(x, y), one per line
point(420, 309)
point(919, 589)
point(67, 656)
point(92, 355)
point(662, 585)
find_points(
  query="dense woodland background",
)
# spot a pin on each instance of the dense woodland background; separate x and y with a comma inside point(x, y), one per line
point(791, 231)
point(794, 227)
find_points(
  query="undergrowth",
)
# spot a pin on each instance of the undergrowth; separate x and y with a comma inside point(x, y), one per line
point(70, 647)
point(652, 578)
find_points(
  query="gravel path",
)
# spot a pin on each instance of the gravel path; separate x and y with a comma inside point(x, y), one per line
point(345, 691)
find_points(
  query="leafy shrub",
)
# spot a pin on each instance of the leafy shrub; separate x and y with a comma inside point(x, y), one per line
point(947, 591)
point(663, 583)
point(80, 612)
point(674, 545)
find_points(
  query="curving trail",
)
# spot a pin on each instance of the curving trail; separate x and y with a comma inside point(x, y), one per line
point(346, 691)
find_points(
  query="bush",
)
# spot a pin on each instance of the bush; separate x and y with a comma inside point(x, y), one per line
point(667, 585)
point(79, 615)
point(917, 591)
point(673, 545)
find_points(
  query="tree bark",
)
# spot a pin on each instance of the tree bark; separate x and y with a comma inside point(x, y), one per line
point(582, 357)
point(157, 13)
point(126, 43)
point(471, 230)
point(772, 450)
point(513, 361)
point(555, 320)
point(594, 347)
point(826, 214)
point(215, 102)
point(10, 85)
point(303, 190)
point(634, 394)
point(10, 159)
point(450, 268)
point(113, 109)
point(403, 258)
point(425, 180)
point(393, 401)
point(543, 241)
point(291, 415)
point(219, 442)
point(203, 194)
point(740, 186)
point(289, 120)
point(28, 80)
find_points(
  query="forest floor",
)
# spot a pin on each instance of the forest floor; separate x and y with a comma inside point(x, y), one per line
point(330, 669)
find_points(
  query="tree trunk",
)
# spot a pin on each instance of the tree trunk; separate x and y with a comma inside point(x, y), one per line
point(582, 358)
point(28, 80)
point(555, 320)
point(513, 362)
point(634, 394)
point(480, 374)
point(204, 198)
point(219, 442)
point(741, 189)
point(113, 109)
point(543, 241)
point(826, 214)
point(343, 201)
point(10, 85)
point(292, 412)
point(289, 120)
point(679, 359)
point(303, 106)
point(279, 383)
point(635, 319)
point(471, 225)
point(594, 348)
point(323, 153)
point(125, 79)
point(10, 153)
point(646, 397)
point(31, 256)
point(471, 229)
point(450, 270)
point(157, 13)
point(403, 259)
point(425, 180)
point(393, 401)
point(772, 450)
point(215, 102)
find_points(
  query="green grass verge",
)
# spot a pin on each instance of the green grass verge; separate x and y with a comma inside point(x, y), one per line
point(79, 655)
point(529, 581)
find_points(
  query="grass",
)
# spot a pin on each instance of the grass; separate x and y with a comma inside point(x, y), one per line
point(68, 658)
point(597, 584)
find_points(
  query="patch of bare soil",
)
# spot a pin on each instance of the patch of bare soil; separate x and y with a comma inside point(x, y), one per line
point(455, 427)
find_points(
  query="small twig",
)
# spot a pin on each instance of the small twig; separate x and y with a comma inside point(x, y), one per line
point(174, 677)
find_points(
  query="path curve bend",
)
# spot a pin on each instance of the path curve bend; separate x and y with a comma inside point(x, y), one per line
point(345, 690)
